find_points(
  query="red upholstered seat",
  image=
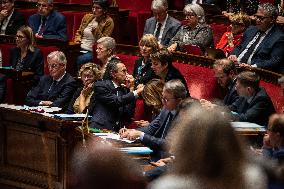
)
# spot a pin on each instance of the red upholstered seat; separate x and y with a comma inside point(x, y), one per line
point(45, 51)
point(70, 24)
point(200, 81)
point(77, 21)
point(176, 5)
point(140, 10)
point(61, 1)
point(27, 13)
point(193, 49)
point(5, 49)
point(274, 91)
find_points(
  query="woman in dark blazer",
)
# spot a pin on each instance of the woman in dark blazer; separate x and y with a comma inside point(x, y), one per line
point(142, 69)
point(25, 56)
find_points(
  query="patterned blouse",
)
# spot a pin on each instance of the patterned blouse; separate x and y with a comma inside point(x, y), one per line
point(201, 35)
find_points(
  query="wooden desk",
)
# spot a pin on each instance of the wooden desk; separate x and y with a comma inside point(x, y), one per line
point(35, 150)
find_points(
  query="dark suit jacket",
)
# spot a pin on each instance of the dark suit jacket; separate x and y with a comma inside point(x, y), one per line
point(174, 73)
point(111, 111)
point(270, 52)
point(257, 111)
point(60, 95)
point(55, 27)
point(171, 28)
point(16, 21)
point(155, 134)
point(232, 94)
point(32, 62)
point(146, 73)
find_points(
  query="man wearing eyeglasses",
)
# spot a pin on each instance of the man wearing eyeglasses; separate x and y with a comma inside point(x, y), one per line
point(155, 133)
point(262, 45)
point(48, 23)
point(10, 20)
point(55, 89)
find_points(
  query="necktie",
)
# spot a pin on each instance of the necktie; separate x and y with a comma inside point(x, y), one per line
point(167, 124)
point(157, 34)
point(250, 47)
point(52, 86)
point(42, 26)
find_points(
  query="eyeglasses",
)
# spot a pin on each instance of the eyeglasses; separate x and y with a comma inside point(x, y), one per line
point(20, 37)
point(52, 66)
point(190, 15)
point(42, 5)
point(261, 18)
point(167, 99)
point(100, 49)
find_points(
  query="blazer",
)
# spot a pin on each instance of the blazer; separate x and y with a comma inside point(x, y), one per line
point(16, 21)
point(60, 95)
point(55, 26)
point(32, 62)
point(232, 94)
point(171, 28)
point(257, 110)
point(104, 28)
point(111, 109)
point(155, 134)
point(146, 73)
point(270, 52)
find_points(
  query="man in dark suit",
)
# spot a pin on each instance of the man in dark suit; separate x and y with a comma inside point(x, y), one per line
point(55, 89)
point(256, 106)
point(114, 101)
point(48, 23)
point(155, 133)
point(225, 73)
point(10, 20)
point(162, 26)
point(262, 45)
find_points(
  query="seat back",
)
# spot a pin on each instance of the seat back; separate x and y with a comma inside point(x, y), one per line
point(70, 23)
point(193, 49)
point(218, 31)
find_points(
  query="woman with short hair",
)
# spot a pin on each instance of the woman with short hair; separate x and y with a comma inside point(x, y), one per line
point(89, 73)
point(194, 32)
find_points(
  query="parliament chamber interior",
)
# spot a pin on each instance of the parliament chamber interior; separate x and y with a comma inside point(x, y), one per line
point(108, 94)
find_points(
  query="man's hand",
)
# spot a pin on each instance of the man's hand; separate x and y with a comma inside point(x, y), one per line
point(45, 103)
point(233, 58)
point(129, 83)
point(133, 134)
point(207, 104)
point(142, 123)
point(123, 132)
point(162, 162)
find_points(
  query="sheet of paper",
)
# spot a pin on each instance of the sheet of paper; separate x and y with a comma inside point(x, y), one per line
point(245, 125)
point(137, 150)
point(112, 136)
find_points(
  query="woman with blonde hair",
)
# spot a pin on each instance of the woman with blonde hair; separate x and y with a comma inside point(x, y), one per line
point(25, 56)
point(208, 154)
point(89, 73)
point(142, 69)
